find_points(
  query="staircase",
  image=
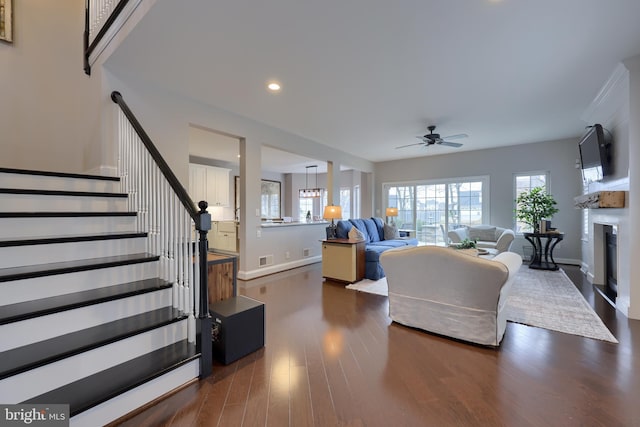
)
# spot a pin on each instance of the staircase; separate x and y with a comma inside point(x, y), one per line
point(85, 318)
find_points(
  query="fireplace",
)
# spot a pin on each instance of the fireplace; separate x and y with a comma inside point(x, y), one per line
point(611, 261)
point(607, 233)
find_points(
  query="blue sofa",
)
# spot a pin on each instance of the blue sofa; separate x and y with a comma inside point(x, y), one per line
point(373, 230)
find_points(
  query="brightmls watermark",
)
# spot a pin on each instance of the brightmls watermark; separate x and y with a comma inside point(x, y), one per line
point(34, 415)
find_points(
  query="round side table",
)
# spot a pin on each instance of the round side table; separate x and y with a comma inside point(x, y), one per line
point(552, 239)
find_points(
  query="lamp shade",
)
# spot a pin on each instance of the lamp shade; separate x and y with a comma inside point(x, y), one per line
point(392, 212)
point(332, 212)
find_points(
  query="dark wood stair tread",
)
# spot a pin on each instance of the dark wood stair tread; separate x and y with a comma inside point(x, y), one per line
point(63, 214)
point(49, 269)
point(61, 193)
point(41, 307)
point(34, 355)
point(46, 240)
point(59, 174)
point(102, 386)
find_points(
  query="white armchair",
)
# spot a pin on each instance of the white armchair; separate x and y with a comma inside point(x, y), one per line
point(487, 236)
point(450, 292)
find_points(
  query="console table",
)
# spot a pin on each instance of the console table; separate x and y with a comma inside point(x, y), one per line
point(552, 239)
point(343, 259)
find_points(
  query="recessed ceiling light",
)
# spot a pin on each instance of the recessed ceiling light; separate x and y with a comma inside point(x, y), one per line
point(274, 87)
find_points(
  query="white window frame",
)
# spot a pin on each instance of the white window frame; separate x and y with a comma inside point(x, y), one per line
point(302, 210)
point(346, 213)
point(486, 193)
point(355, 201)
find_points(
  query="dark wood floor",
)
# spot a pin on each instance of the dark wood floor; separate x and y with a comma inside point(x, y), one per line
point(333, 358)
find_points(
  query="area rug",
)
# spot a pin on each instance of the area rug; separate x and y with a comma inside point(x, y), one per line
point(544, 299)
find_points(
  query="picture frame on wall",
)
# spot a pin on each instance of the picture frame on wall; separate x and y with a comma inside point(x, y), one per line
point(6, 21)
point(270, 196)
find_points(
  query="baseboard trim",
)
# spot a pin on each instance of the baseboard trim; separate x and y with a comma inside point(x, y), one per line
point(254, 274)
point(570, 261)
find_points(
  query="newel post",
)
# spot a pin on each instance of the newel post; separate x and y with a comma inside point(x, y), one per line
point(206, 352)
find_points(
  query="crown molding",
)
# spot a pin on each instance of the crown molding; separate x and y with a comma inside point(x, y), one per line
point(613, 94)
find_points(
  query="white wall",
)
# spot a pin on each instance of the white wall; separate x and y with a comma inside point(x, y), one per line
point(49, 109)
point(557, 157)
point(167, 118)
point(633, 65)
point(617, 108)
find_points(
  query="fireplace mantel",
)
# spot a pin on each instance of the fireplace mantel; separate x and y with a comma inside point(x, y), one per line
point(600, 199)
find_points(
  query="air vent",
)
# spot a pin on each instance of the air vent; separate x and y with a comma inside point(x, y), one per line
point(306, 252)
point(265, 260)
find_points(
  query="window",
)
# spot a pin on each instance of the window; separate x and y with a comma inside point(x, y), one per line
point(431, 209)
point(345, 202)
point(403, 198)
point(305, 205)
point(356, 201)
point(524, 183)
point(313, 205)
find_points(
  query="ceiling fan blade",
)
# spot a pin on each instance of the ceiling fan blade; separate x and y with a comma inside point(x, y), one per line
point(457, 136)
point(451, 144)
point(410, 145)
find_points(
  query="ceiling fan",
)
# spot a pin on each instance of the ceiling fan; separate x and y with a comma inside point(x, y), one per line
point(434, 138)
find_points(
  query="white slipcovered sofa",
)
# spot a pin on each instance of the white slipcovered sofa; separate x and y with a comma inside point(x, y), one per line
point(497, 239)
point(450, 292)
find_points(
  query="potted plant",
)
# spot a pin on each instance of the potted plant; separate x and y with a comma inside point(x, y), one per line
point(466, 244)
point(535, 205)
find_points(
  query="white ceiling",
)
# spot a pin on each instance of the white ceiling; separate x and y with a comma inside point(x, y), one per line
point(365, 76)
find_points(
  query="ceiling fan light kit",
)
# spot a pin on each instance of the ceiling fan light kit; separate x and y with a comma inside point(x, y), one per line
point(434, 138)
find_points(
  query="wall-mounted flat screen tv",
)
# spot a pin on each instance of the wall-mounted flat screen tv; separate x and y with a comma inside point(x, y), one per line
point(595, 157)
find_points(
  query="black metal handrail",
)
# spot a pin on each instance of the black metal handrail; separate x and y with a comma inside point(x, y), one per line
point(202, 221)
point(182, 194)
point(90, 47)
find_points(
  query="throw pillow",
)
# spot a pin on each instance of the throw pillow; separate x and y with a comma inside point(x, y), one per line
point(483, 234)
point(355, 234)
point(391, 232)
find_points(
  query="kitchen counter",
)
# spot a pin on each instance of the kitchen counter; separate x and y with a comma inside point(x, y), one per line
point(291, 224)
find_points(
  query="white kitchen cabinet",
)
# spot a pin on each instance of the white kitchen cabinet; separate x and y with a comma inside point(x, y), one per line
point(209, 183)
point(223, 236)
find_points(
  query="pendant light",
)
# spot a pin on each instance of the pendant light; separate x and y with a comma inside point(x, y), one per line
point(310, 193)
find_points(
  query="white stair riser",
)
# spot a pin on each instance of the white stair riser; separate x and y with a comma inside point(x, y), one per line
point(18, 334)
point(49, 286)
point(18, 256)
point(37, 381)
point(127, 402)
point(14, 228)
point(40, 203)
point(23, 181)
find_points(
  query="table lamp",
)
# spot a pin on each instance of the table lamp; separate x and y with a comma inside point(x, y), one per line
point(332, 212)
point(391, 212)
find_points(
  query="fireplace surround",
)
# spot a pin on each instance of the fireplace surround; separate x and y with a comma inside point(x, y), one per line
point(614, 221)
